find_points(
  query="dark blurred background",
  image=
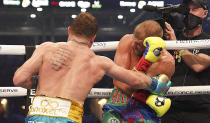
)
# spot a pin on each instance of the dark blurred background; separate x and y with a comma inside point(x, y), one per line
point(31, 22)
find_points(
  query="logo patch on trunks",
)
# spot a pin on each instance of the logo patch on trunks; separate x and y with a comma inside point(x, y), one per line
point(113, 120)
point(50, 107)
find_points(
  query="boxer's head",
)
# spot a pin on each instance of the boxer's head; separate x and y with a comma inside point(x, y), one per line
point(143, 30)
point(85, 26)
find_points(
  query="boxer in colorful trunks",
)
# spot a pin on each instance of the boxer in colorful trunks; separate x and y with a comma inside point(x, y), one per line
point(117, 110)
point(130, 54)
point(68, 71)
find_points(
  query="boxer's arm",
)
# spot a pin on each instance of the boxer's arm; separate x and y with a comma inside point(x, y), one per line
point(137, 80)
point(196, 62)
point(166, 61)
point(169, 63)
point(122, 55)
point(23, 75)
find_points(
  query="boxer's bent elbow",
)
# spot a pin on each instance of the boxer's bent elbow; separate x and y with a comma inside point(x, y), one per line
point(18, 80)
point(21, 81)
point(22, 84)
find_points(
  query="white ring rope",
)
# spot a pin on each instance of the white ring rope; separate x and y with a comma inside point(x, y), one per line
point(105, 93)
point(112, 45)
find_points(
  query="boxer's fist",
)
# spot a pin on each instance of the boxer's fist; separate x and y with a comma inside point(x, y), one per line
point(159, 85)
point(159, 104)
point(154, 47)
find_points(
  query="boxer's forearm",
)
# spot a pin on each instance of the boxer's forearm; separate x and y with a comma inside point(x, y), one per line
point(26, 84)
point(22, 78)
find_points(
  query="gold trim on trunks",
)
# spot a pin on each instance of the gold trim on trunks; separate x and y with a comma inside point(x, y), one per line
point(56, 107)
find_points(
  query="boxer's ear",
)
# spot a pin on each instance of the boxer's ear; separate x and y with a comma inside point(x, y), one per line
point(69, 30)
point(92, 40)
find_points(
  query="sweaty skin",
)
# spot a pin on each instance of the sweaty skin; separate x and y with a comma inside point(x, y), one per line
point(129, 52)
point(69, 70)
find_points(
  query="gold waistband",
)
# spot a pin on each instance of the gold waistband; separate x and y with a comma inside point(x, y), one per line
point(56, 107)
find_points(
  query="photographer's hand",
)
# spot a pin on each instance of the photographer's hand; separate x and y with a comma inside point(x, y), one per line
point(169, 32)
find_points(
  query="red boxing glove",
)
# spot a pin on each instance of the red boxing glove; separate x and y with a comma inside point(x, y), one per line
point(142, 65)
point(141, 95)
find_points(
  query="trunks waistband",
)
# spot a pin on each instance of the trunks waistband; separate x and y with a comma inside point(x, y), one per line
point(56, 107)
point(118, 98)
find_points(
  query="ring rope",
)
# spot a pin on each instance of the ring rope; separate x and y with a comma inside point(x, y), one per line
point(106, 92)
point(112, 45)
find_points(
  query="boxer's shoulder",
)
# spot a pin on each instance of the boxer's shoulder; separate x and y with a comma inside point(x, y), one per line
point(127, 37)
point(45, 46)
point(48, 43)
point(126, 41)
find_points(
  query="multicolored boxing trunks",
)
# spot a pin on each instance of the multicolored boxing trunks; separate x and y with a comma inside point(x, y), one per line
point(119, 109)
point(54, 110)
